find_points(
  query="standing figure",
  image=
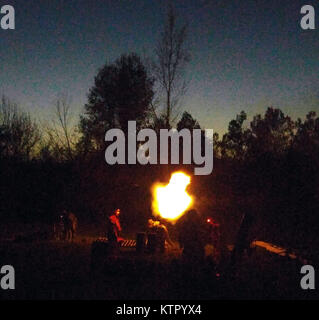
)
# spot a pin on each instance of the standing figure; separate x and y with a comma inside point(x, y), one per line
point(59, 228)
point(70, 225)
point(243, 239)
point(73, 221)
point(191, 236)
point(214, 236)
point(114, 227)
point(161, 233)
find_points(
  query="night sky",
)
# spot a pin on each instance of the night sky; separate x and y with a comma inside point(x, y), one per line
point(246, 54)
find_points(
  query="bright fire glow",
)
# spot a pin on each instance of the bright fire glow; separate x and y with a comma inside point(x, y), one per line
point(171, 201)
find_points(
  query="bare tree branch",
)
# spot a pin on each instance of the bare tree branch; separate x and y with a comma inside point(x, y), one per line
point(172, 57)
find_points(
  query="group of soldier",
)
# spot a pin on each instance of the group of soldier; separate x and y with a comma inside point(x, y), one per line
point(193, 234)
point(66, 226)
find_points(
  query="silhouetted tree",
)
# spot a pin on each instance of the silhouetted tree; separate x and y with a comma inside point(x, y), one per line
point(19, 134)
point(217, 145)
point(307, 135)
point(171, 59)
point(188, 122)
point(60, 133)
point(273, 133)
point(234, 142)
point(122, 91)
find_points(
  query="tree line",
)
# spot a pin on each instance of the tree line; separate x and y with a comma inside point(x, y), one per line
point(268, 165)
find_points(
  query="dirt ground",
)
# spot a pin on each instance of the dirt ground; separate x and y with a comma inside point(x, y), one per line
point(55, 270)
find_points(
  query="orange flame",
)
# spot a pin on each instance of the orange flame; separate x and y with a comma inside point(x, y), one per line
point(172, 200)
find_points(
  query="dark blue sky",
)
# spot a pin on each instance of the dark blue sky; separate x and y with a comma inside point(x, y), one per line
point(246, 54)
